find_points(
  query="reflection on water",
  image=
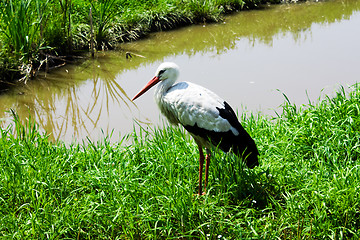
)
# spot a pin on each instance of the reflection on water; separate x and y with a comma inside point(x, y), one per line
point(294, 48)
point(75, 102)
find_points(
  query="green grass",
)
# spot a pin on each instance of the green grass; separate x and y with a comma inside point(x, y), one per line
point(306, 187)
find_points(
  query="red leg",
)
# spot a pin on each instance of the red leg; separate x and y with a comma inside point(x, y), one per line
point(208, 154)
point(201, 161)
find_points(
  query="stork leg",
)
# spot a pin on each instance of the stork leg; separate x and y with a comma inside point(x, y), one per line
point(201, 164)
point(208, 154)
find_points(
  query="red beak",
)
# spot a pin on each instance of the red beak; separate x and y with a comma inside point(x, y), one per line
point(149, 85)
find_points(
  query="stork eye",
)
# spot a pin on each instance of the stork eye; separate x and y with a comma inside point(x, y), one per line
point(161, 72)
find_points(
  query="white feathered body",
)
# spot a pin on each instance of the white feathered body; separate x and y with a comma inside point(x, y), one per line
point(208, 118)
point(188, 103)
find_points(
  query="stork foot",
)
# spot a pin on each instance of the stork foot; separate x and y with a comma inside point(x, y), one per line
point(199, 195)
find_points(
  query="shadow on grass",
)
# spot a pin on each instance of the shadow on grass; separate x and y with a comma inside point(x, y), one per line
point(242, 186)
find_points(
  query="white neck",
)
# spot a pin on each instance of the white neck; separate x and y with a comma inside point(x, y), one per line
point(162, 88)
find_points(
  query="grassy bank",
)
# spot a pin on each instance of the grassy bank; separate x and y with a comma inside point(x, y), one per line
point(306, 187)
point(38, 34)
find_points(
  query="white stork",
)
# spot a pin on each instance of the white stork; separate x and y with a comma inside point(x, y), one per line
point(207, 117)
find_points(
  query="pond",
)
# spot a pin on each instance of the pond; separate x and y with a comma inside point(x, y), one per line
point(250, 59)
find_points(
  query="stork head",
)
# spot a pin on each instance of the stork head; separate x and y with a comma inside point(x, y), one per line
point(167, 70)
point(167, 73)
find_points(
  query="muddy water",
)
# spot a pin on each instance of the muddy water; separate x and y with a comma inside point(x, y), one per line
point(250, 59)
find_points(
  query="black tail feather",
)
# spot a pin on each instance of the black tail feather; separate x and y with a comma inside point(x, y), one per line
point(243, 145)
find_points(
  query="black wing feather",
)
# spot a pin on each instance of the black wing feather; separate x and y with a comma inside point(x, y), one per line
point(242, 144)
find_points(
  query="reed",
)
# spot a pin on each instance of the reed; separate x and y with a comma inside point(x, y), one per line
point(104, 12)
point(20, 27)
point(306, 187)
point(66, 13)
